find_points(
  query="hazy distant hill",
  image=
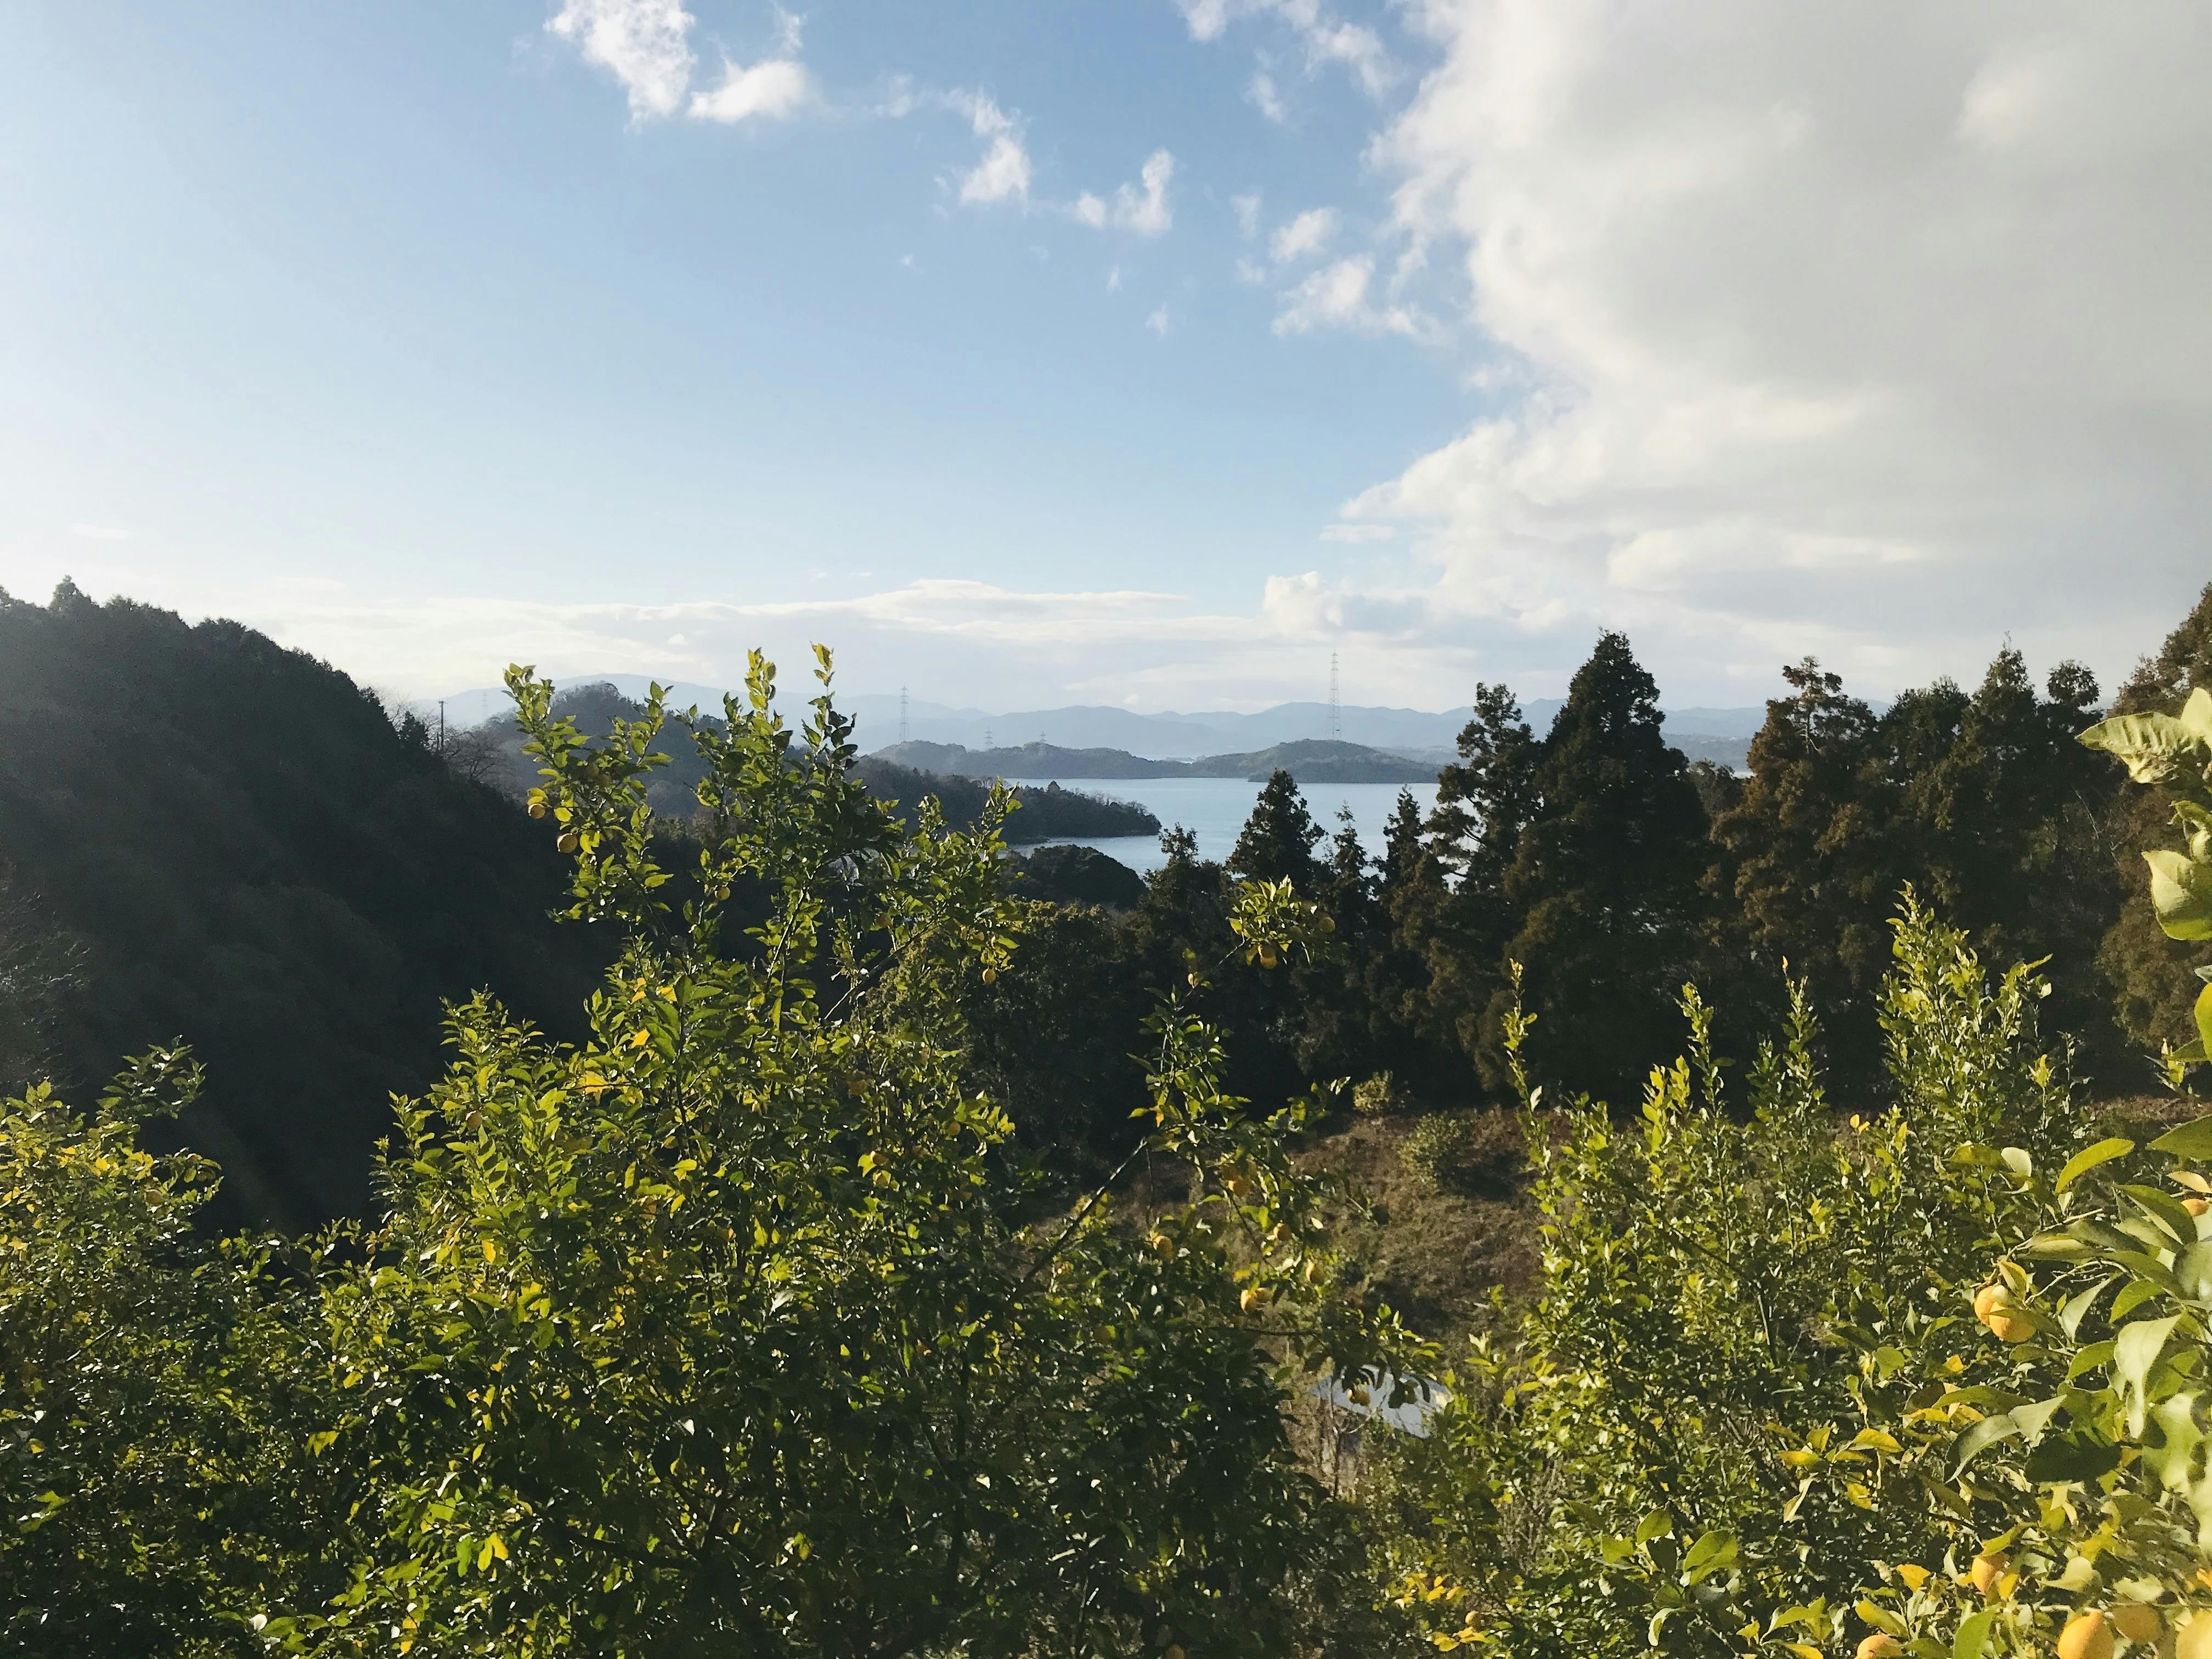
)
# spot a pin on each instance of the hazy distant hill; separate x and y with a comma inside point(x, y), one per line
point(1698, 733)
point(1309, 762)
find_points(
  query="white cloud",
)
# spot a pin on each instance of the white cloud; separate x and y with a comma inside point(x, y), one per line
point(647, 44)
point(1336, 297)
point(1247, 214)
point(1879, 334)
point(773, 89)
point(1310, 233)
point(1266, 97)
point(1113, 279)
point(1326, 40)
point(1003, 175)
point(100, 533)
point(1142, 208)
point(1157, 322)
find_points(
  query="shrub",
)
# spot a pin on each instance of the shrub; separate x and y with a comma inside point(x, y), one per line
point(1378, 1096)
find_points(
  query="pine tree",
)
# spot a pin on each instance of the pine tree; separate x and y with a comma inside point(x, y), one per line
point(1605, 883)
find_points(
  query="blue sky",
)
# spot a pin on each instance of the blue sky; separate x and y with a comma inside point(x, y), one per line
point(622, 334)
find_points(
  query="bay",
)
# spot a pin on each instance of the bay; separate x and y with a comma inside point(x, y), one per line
point(1214, 811)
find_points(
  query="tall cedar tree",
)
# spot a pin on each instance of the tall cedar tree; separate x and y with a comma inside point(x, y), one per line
point(1807, 858)
point(2007, 834)
point(1982, 802)
point(1446, 892)
point(1604, 882)
point(2151, 977)
point(1278, 840)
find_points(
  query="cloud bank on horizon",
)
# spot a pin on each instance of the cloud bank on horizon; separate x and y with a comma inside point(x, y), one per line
point(1874, 333)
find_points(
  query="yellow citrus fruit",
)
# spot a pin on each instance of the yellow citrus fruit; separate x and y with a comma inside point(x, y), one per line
point(2087, 1636)
point(567, 843)
point(1985, 1573)
point(2136, 1621)
point(2196, 1205)
point(989, 975)
point(537, 809)
point(1258, 1296)
point(1995, 1307)
point(2196, 1638)
point(1879, 1645)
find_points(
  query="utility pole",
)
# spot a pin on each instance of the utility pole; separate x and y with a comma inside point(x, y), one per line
point(1335, 713)
point(441, 726)
point(902, 714)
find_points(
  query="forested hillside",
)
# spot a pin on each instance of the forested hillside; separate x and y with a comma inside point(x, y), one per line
point(205, 837)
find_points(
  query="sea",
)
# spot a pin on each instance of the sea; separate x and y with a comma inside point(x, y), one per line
point(1214, 810)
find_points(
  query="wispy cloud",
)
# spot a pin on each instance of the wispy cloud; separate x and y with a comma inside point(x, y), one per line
point(1310, 233)
point(772, 88)
point(1142, 208)
point(644, 44)
point(1266, 97)
point(1003, 175)
point(1157, 322)
point(1326, 39)
point(1337, 297)
point(647, 46)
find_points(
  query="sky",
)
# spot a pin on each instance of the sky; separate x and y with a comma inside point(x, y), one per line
point(1149, 352)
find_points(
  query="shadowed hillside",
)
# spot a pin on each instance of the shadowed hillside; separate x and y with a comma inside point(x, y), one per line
point(226, 842)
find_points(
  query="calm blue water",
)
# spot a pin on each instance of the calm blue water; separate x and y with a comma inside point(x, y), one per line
point(1215, 808)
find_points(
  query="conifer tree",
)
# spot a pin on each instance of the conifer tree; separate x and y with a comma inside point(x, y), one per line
point(1604, 881)
point(1806, 855)
point(1278, 838)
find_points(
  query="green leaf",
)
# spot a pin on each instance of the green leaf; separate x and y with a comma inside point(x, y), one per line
point(2164, 1208)
point(1657, 1524)
point(2135, 1350)
point(2192, 1268)
point(1714, 1552)
point(1982, 1436)
point(2181, 893)
point(2089, 1158)
point(2192, 1140)
point(1974, 1635)
point(2077, 1307)
point(2150, 745)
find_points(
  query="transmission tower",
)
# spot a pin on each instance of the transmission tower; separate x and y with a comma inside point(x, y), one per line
point(1335, 713)
point(902, 714)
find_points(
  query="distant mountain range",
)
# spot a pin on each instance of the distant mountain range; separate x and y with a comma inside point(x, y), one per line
point(1717, 734)
point(1312, 761)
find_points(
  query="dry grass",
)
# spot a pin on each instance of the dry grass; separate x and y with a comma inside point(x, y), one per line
point(1436, 1255)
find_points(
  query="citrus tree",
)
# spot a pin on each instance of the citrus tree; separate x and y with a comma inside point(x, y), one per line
point(716, 1333)
point(156, 1386)
point(1673, 1448)
point(2068, 1473)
